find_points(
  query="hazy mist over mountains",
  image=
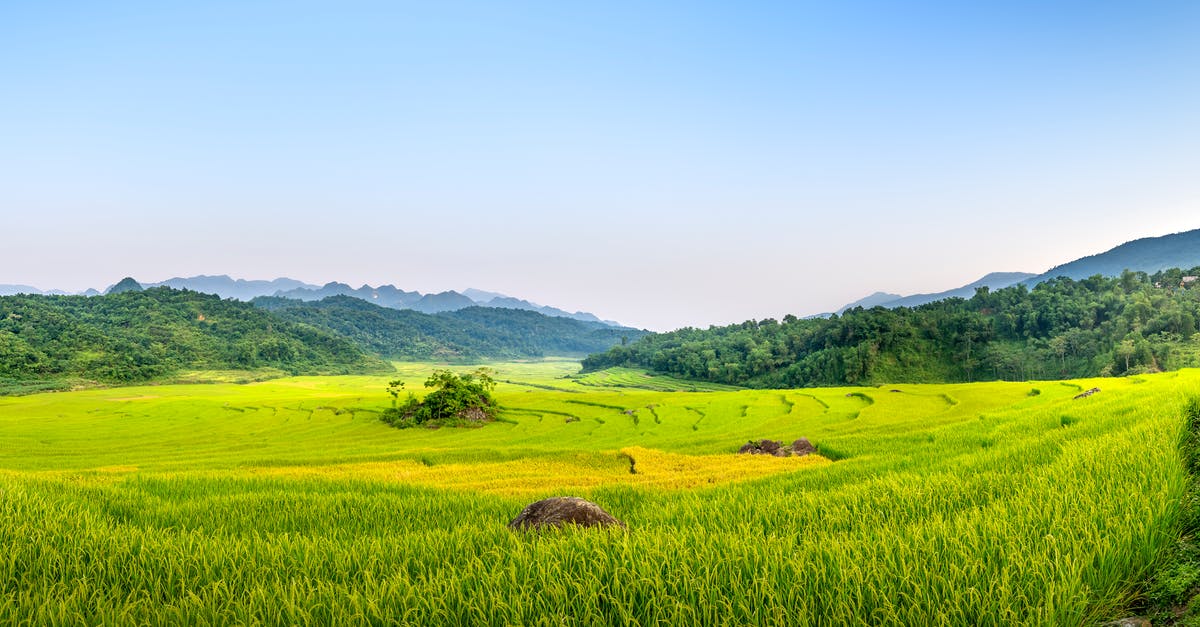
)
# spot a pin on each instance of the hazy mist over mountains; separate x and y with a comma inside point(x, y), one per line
point(993, 281)
point(1149, 255)
point(384, 295)
point(1178, 250)
point(226, 287)
point(395, 298)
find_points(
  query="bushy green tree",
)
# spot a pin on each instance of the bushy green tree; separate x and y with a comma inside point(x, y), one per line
point(455, 399)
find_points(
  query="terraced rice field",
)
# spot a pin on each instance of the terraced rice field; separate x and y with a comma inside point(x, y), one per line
point(287, 501)
point(637, 379)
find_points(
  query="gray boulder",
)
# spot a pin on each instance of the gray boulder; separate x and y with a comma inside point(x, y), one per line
point(1086, 394)
point(770, 447)
point(803, 447)
point(776, 448)
point(563, 510)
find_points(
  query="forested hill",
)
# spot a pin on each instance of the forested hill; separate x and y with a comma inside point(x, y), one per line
point(142, 335)
point(463, 335)
point(1062, 328)
point(1149, 254)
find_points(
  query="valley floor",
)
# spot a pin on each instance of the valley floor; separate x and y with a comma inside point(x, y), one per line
point(288, 501)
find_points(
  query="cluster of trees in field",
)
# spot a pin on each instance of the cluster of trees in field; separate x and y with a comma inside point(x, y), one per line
point(142, 335)
point(456, 399)
point(1061, 328)
point(464, 335)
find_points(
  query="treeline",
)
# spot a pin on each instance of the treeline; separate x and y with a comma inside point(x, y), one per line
point(143, 335)
point(465, 335)
point(1062, 328)
point(135, 336)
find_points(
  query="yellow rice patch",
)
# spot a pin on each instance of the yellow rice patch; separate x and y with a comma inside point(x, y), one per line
point(566, 473)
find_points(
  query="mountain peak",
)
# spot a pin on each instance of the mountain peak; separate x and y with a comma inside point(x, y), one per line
point(126, 284)
point(874, 300)
point(482, 296)
point(9, 290)
point(995, 278)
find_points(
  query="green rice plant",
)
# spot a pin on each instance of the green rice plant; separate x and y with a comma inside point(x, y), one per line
point(158, 504)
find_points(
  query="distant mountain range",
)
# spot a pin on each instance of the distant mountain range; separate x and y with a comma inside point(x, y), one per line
point(9, 290)
point(1149, 255)
point(226, 287)
point(993, 281)
point(385, 295)
point(390, 296)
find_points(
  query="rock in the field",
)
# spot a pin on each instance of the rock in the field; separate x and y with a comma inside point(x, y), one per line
point(1127, 622)
point(563, 510)
point(474, 414)
point(750, 448)
point(776, 448)
point(803, 447)
point(1086, 394)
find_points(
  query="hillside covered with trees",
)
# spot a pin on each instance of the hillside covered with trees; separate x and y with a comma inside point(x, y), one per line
point(1061, 328)
point(464, 335)
point(139, 335)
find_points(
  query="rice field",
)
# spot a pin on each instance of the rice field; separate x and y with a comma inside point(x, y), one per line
point(637, 379)
point(287, 501)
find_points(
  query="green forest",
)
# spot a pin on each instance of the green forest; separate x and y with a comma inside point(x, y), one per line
point(131, 336)
point(138, 335)
point(465, 335)
point(1062, 328)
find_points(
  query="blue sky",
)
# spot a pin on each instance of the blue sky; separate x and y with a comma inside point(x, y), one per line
point(662, 164)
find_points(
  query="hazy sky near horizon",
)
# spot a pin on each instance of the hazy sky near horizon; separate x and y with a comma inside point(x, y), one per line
point(661, 164)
